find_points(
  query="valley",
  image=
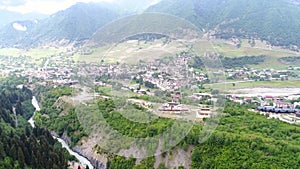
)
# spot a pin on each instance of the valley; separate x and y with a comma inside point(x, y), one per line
point(127, 84)
point(159, 90)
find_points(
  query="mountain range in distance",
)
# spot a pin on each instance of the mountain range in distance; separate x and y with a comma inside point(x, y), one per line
point(7, 17)
point(276, 21)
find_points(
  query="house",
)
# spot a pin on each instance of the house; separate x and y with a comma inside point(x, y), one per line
point(269, 97)
point(248, 100)
point(173, 107)
point(203, 113)
point(280, 104)
point(201, 96)
point(71, 83)
point(175, 98)
point(298, 113)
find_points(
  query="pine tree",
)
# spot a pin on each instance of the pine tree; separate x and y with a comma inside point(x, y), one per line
point(21, 158)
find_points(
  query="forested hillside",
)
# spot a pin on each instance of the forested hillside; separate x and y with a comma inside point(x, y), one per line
point(20, 145)
point(243, 139)
point(276, 21)
point(58, 115)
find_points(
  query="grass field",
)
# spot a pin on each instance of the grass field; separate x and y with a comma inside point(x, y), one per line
point(35, 53)
point(263, 84)
point(10, 52)
point(227, 49)
point(134, 51)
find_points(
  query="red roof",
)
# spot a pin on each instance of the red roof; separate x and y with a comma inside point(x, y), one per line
point(76, 166)
point(284, 103)
point(176, 95)
point(269, 97)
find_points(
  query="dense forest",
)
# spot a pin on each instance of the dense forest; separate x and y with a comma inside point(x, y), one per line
point(290, 59)
point(243, 139)
point(20, 145)
point(58, 116)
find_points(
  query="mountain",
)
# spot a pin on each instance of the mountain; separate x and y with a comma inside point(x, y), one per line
point(134, 6)
point(15, 31)
point(276, 21)
point(7, 17)
point(76, 23)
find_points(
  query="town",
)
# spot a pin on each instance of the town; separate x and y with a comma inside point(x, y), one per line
point(173, 75)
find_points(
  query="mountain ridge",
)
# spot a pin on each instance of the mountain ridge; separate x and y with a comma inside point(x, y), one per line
point(8, 17)
point(76, 23)
point(276, 22)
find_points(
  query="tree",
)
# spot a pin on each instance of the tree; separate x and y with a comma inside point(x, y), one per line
point(21, 158)
point(196, 158)
point(162, 166)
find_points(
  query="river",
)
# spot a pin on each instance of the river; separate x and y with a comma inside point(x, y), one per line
point(83, 161)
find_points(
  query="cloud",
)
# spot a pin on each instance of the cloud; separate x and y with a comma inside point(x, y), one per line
point(52, 6)
point(42, 6)
point(12, 2)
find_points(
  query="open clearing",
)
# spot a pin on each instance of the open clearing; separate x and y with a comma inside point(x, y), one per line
point(133, 51)
point(254, 92)
point(35, 53)
point(255, 84)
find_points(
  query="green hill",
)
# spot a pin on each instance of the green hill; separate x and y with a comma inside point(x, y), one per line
point(20, 145)
point(276, 21)
point(76, 23)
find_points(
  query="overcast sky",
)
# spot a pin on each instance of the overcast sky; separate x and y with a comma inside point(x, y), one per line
point(48, 6)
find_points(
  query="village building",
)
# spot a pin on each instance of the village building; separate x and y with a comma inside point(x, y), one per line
point(204, 113)
point(173, 107)
point(281, 104)
point(201, 96)
point(298, 113)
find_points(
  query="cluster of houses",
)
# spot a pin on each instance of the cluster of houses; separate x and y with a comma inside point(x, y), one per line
point(270, 103)
point(261, 75)
point(169, 76)
point(54, 70)
point(271, 109)
point(174, 107)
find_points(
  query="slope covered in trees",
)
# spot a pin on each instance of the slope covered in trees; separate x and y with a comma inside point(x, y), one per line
point(20, 145)
point(276, 21)
point(57, 115)
point(230, 62)
point(243, 139)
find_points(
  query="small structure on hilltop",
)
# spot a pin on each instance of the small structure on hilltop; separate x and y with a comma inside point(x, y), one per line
point(173, 108)
point(201, 96)
point(204, 113)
